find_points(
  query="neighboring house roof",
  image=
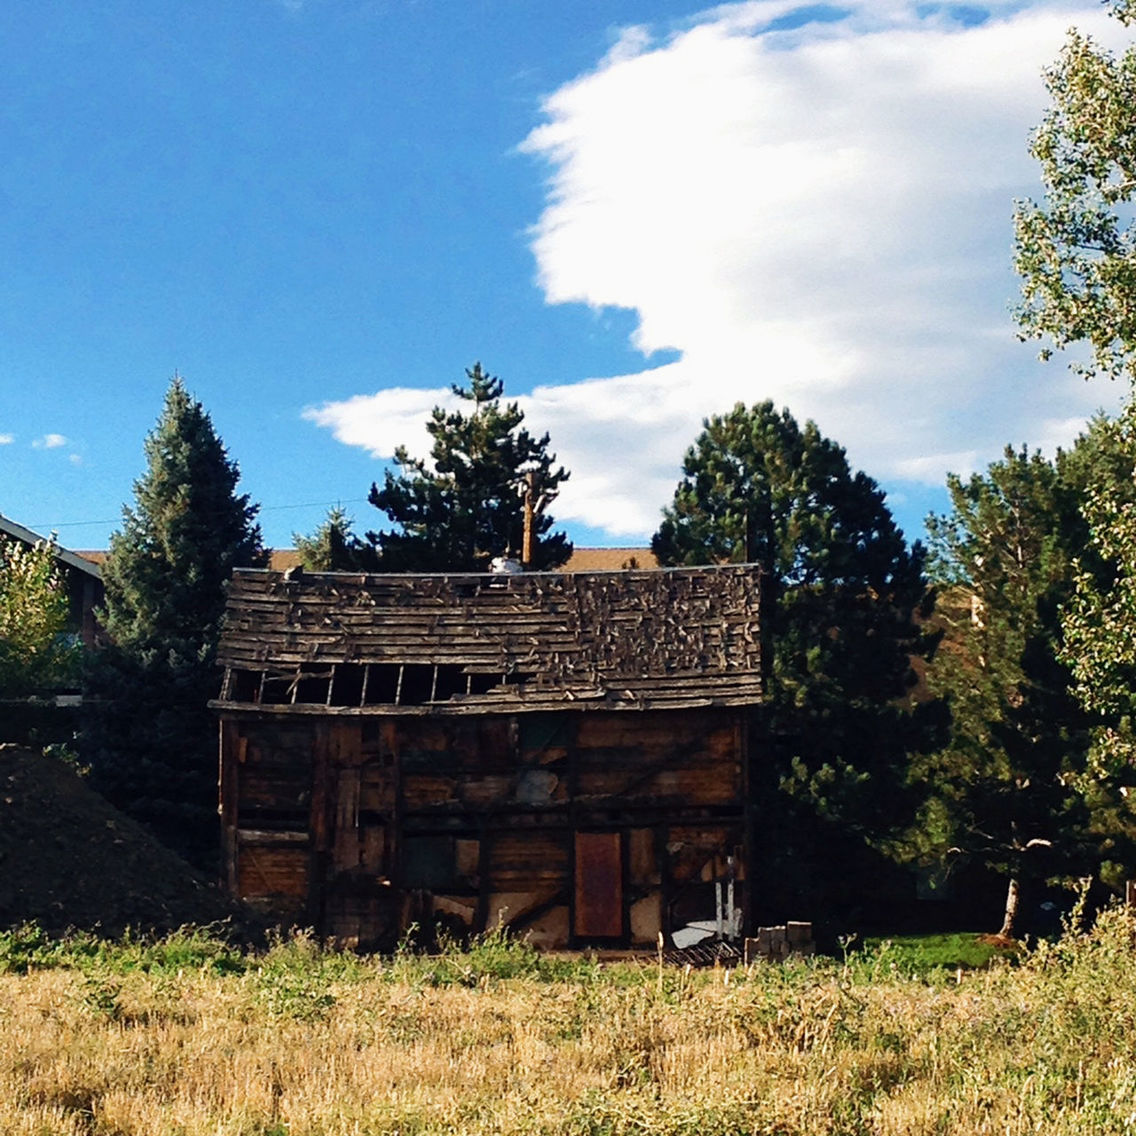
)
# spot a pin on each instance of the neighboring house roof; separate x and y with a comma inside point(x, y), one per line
point(609, 559)
point(80, 563)
point(281, 559)
point(581, 560)
point(465, 643)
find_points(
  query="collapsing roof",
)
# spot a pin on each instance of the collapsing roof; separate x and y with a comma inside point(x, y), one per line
point(474, 643)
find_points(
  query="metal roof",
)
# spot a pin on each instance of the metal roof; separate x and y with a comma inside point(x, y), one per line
point(27, 536)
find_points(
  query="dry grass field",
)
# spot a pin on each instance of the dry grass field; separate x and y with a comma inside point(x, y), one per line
point(188, 1037)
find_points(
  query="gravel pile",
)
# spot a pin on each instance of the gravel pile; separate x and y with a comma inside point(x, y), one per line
point(69, 859)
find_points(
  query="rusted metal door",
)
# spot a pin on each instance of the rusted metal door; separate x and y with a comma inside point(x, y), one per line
point(599, 886)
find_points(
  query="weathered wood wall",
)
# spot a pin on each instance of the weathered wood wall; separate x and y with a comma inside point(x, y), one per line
point(574, 827)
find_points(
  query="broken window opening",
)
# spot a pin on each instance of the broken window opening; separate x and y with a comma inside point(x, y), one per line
point(347, 685)
point(312, 687)
point(276, 689)
point(451, 679)
point(417, 684)
point(244, 686)
point(484, 683)
point(372, 684)
point(382, 684)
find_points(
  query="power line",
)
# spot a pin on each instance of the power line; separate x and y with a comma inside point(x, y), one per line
point(55, 525)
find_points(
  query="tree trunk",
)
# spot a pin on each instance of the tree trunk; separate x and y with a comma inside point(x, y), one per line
point(1013, 899)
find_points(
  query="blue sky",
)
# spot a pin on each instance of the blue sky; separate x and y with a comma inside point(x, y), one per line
point(319, 212)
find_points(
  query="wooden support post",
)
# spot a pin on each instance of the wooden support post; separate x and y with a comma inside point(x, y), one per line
point(530, 517)
point(319, 825)
point(484, 871)
point(232, 752)
point(732, 929)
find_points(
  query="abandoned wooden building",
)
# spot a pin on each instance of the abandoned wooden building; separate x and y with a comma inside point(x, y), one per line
point(566, 754)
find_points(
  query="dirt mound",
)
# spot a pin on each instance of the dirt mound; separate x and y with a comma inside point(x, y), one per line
point(70, 859)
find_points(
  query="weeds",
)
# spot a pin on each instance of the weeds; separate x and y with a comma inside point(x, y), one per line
point(29, 947)
point(185, 1035)
point(928, 956)
point(26, 947)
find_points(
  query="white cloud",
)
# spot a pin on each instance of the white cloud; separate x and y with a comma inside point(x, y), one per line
point(7, 439)
point(50, 442)
point(380, 422)
point(929, 470)
point(820, 216)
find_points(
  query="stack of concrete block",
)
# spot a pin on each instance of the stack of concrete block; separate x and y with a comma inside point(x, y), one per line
point(774, 944)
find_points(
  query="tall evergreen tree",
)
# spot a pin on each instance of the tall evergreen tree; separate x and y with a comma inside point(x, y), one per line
point(465, 505)
point(150, 739)
point(843, 600)
point(1003, 789)
point(333, 547)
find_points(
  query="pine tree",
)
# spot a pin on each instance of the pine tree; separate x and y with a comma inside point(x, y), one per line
point(843, 600)
point(333, 547)
point(150, 738)
point(464, 506)
point(1002, 791)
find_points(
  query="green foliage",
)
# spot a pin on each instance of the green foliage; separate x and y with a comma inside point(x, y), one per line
point(200, 949)
point(464, 506)
point(926, 956)
point(1076, 251)
point(294, 979)
point(27, 947)
point(150, 738)
point(1004, 787)
point(333, 547)
point(842, 595)
point(35, 651)
point(1099, 623)
point(1099, 620)
point(166, 570)
point(489, 957)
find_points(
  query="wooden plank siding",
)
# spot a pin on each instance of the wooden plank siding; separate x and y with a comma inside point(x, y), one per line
point(408, 809)
point(591, 798)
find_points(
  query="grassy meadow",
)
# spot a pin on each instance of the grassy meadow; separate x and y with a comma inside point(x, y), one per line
point(188, 1036)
